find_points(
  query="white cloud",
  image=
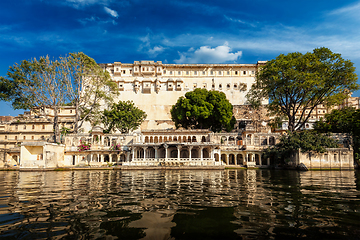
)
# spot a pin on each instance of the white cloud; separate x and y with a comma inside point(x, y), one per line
point(206, 54)
point(113, 13)
point(156, 51)
point(239, 21)
point(82, 3)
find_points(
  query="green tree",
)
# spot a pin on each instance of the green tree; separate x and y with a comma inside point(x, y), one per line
point(36, 85)
point(123, 116)
point(203, 109)
point(345, 120)
point(307, 141)
point(299, 82)
point(88, 86)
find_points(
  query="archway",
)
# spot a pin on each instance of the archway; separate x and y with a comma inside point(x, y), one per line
point(239, 159)
point(224, 158)
point(216, 155)
point(231, 159)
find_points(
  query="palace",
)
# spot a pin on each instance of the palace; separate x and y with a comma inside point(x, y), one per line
point(155, 87)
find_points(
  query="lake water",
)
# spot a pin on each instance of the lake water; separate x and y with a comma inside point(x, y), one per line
point(180, 204)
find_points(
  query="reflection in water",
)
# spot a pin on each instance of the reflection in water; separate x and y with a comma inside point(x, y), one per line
point(184, 204)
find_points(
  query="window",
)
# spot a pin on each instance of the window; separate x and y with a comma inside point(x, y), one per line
point(203, 72)
point(228, 86)
point(212, 72)
point(179, 73)
point(5, 137)
point(136, 69)
point(219, 72)
point(24, 126)
point(236, 72)
point(24, 137)
point(194, 85)
point(112, 71)
point(244, 72)
point(187, 72)
point(220, 86)
point(228, 72)
point(117, 69)
point(70, 111)
point(235, 86)
point(164, 71)
point(33, 126)
point(43, 126)
point(195, 72)
point(32, 137)
point(204, 85)
point(15, 137)
point(159, 69)
point(252, 72)
point(124, 72)
point(213, 86)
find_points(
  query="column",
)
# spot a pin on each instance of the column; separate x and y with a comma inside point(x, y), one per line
point(201, 153)
point(260, 159)
point(166, 151)
point(246, 158)
point(190, 148)
point(133, 152)
point(156, 152)
point(110, 157)
point(268, 161)
point(144, 148)
point(128, 156)
point(178, 152)
point(101, 157)
point(227, 159)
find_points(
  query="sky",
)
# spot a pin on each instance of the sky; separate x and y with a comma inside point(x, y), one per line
point(174, 31)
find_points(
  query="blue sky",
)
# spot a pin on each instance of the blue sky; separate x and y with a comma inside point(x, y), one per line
point(191, 31)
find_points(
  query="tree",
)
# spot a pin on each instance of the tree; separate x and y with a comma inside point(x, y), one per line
point(40, 84)
point(123, 116)
point(88, 87)
point(345, 120)
point(307, 141)
point(35, 83)
point(203, 109)
point(299, 82)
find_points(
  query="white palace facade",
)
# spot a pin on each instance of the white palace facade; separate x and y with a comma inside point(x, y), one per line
point(155, 87)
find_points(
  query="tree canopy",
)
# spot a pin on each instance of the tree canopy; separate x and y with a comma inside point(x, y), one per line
point(123, 116)
point(203, 109)
point(345, 120)
point(45, 83)
point(307, 141)
point(297, 83)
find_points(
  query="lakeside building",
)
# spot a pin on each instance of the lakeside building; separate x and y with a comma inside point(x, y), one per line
point(154, 87)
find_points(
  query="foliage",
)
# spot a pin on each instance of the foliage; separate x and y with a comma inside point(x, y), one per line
point(299, 82)
point(203, 109)
point(44, 83)
point(123, 116)
point(84, 146)
point(35, 83)
point(115, 147)
point(346, 120)
point(87, 86)
point(307, 141)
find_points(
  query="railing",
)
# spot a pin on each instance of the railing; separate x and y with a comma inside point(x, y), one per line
point(173, 162)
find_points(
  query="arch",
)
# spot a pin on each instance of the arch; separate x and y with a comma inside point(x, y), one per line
point(231, 140)
point(263, 160)
point(173, 153)
point(206, 153)
point(189, 139)
point(184, 153)
point(146, 139)
point(248, 139)
point(264, 142)
point(156, 139)
point(272, 140)
point(165, 139)
point(151, 139)
point(175, 139)
point(239, 159)
point(106, 158)
point(203, 139)
point(161, 152)
point(231, 159)
point(170, 139)
point(216, 155)
point(223, 140)
point(95, 158)
point(256, 140)
point(160, 139)
point(122, 158)
point(194, 153)
point(114, 158)
point(224, 158)
point(184, 138)
point(150, 152)
point(257, 159)
point(193, 139)
point(107, 141)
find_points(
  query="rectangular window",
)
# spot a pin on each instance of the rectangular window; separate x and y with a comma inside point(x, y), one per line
point(164, 71)
point(212, 73)
point(244, 72)
point(32, 137)
point(43, 126)
point(203, 72)
point(170, 72)
point(228, 72)
point(194, 85)
point(15, 137)
point(179, 73)
point(33, 126)
point(24, 126)
point(195, 72)
point(236, 72)
point(219, 72)
point(187, 72)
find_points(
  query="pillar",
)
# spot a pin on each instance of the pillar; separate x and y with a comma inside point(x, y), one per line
point(166, 152)
point(201, 153)
point(156, 152)
point(144, 148)
point(128, 156)
point(190, 148)
point(101, 157)
point(178, 152)
point(268, 161)
point(110, 157)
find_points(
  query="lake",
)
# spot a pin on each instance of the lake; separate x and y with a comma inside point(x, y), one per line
point(180, 204)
